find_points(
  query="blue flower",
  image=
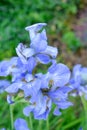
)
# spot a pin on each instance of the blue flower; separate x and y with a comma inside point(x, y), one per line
point(78, 80)
point(38, 46)
point(40, 90)
point(20, 124)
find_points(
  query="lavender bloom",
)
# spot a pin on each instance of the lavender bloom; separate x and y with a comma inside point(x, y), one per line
point(20, 124)
point(38, 46)
point(79, 80)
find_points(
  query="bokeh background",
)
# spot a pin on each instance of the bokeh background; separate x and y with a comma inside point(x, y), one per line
point(67, 30)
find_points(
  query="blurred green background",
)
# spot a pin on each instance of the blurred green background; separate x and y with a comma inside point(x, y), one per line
point(67, 30)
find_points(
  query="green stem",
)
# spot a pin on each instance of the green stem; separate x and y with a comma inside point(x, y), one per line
point(47, 124)
point(40, 123)
point(11, 116)
point(84, 102)
point(30, 120)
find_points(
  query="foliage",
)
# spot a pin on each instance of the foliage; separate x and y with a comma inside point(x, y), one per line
point(72, 42)
point(15, 15)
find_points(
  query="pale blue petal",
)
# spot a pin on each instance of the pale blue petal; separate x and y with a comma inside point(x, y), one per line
point(31, 89)
point(84, 75)
point(51, 51)
point(64, 104)
point(42, 58)
point(76, 72)
point(13, 88)
point(38, 44)
point(28, 52)
point(59, 74)
point(3, 85)
point(57, 112)
point(29, 77)
point(27, 110)
point(31, 63)
point(34, 29)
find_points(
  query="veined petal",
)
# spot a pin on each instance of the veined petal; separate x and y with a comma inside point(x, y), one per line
point(57, 94)
point(31, 64)
point(32, 88)
point(13, 88)
point(28, 52)
point(43, 107)
point(43, 116)
point(59, 74)
point(51, 51)
point(38, 44)
point(20, 48)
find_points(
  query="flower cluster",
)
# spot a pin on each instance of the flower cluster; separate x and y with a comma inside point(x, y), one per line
point(40, 90)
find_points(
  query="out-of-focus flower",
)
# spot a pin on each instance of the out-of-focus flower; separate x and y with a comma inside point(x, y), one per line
point(80, 128)
point(78, 80)
point(20, 124)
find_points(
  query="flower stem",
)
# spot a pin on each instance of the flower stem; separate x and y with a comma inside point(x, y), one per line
point(84, 102)
point(40, 123)
point(11, 116)
point(47, 124)
point(30, 120)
